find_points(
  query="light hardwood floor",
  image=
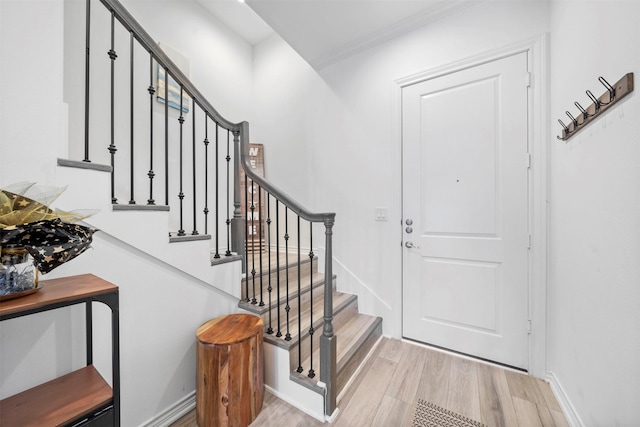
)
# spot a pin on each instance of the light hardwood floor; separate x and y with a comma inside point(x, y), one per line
point(398, 373)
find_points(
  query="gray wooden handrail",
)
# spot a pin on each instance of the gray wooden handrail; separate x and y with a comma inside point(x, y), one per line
point(275, 191)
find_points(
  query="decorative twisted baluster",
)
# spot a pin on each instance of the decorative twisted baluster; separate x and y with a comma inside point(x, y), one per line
point(151, 174)
point(253, 244)
point(206, 181)
point(112, 147)
point(287, 307)
point(181, 193)
point(312, 373)
point(300, 369)
point(279, 333)
point(269, 288)
point(261, 237)
point(228, 158)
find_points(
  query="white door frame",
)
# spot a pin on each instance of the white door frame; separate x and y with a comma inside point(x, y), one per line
point(537, 53)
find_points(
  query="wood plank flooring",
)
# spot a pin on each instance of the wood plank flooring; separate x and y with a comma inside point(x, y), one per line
point(400, 372)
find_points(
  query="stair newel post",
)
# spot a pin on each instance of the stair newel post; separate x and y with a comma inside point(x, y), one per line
point(240, 142)
point(328, 341)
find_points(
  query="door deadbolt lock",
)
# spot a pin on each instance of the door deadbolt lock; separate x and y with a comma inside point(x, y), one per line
point(409, 230)
point(409, 221)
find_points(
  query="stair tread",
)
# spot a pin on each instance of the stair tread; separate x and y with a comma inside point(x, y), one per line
point(350, 353)
point(306, 284)
point(290, 259)
point(340, 302)
point(349, 333)
point(356, 332)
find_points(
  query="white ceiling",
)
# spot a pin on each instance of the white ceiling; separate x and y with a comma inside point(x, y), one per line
point(240, 18)
point(323, 31)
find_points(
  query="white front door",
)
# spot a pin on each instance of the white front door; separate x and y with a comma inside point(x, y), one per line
point(465, 211)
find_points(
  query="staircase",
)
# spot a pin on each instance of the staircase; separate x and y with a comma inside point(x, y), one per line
point(187, 162)
point(357, 333)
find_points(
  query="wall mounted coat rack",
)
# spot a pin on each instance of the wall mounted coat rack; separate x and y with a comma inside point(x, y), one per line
point(614, 93)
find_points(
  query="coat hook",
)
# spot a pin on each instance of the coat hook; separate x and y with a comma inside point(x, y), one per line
point(563, 125)
point(600, 104)
point(612, 91)
point(582, 110)
point(596, 101)
point(566, 129)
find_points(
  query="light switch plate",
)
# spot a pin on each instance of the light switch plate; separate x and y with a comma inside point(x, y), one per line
point(382, 214)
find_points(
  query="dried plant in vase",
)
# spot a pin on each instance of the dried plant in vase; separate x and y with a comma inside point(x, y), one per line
point(35, 238)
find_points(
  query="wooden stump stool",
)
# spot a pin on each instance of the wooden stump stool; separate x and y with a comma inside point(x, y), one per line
point(230, 374)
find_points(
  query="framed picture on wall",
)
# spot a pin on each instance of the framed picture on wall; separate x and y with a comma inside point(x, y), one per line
point(173, 92)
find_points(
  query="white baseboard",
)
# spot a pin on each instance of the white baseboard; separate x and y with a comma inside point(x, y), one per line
point(568, 410)
point(173, 413)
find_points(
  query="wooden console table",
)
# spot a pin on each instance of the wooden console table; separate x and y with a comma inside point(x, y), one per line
point(82, 397)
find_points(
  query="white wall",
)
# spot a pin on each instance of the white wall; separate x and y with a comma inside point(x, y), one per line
point(160, 306)
point(593, 184)
point(349, 111)
point(594, 215)
point(220, 60)
point(30, 74)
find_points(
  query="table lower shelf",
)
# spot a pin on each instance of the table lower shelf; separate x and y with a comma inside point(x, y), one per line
point(58, 402)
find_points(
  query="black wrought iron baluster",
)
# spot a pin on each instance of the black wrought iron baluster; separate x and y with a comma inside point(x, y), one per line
point(217, 255)
point(261, 304)
point(112, 146)
point(132, 200)
point(151, 174)
point(287, 307)
point(253, 243)
point(279, 333)
point(228, 158)
point(206, 178)
point(193, 164)
point(180, 194)
point(269, 288)
point(86, 79)
point(246, 234)
point(299, 306)
point(312, 373)
point(166, 136)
